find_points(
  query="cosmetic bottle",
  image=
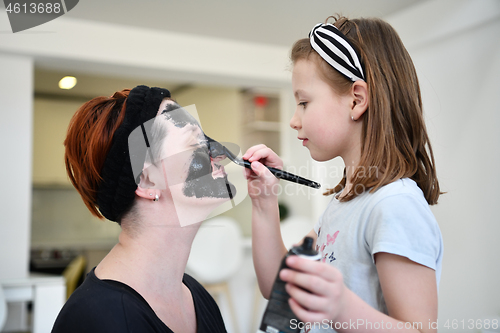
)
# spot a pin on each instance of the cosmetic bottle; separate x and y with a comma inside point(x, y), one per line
point(278, 317)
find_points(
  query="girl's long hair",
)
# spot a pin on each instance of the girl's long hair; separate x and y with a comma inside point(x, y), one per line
point(394, 138)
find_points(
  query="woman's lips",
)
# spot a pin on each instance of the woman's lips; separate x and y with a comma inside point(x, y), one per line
point(218, 171)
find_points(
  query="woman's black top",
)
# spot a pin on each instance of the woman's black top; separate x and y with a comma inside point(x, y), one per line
point(103, 306)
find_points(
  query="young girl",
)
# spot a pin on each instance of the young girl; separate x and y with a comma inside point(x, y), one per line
point(357, 97)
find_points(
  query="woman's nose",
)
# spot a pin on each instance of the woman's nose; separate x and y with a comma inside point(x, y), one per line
point(217, 159)
point(216, 150)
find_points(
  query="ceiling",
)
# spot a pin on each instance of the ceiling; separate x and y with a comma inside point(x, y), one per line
point(276, 22)
point(90, 86)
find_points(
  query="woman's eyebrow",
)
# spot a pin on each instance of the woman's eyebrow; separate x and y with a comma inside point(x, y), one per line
point(201, 135)
point(192, 132)
point(170, 107)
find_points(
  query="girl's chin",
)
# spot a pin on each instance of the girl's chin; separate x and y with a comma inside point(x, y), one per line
point(318, 157)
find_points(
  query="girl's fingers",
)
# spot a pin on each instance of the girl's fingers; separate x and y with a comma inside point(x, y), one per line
point(312, 283)
point(305, 299)
point(268, 157)
point(262, 172)
point(250, 151)
point(325, 271)
point(263, 154)
point(304, 314)
point(248, 173)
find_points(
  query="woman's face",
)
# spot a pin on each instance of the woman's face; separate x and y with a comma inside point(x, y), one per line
point(193, 176)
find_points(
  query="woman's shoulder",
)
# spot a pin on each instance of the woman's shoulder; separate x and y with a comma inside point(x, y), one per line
point(198, 291)
point(106, 306)
point(208, 314)
point(90, 308)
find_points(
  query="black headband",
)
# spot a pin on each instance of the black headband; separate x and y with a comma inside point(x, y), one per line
point(117, 189)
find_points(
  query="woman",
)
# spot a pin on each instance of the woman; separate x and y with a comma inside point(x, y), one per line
point(140, 286)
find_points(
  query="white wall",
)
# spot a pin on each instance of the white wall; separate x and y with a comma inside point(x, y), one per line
point(16, 112)
point(456, 50)
point(101, 48)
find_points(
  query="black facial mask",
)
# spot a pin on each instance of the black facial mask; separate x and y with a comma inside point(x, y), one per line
point(180, 119)
point(199, 182)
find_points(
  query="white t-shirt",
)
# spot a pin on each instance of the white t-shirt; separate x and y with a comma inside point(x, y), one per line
point(395, 219)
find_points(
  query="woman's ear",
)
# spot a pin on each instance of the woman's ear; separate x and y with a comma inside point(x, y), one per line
point(150, 194)
point(359, 91)
point(148, 187)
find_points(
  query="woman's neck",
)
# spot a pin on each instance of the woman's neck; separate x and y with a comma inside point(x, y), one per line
point(151, 261)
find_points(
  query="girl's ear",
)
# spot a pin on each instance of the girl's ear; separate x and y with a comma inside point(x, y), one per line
point(360, 95)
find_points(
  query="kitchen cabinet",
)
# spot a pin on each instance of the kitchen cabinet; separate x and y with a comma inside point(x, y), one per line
point(51, 120)
point(261, 119)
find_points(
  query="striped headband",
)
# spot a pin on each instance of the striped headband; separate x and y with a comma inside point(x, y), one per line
point(333, 46)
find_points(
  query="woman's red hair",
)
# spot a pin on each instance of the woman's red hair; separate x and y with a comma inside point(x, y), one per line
point(88, 141)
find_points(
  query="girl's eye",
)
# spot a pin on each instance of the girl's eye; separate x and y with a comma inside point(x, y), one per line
point(303, 104)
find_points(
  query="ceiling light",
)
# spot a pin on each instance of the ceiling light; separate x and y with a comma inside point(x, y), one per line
point(67, 82)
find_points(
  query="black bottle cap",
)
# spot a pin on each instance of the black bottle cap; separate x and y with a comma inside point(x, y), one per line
point(307, 244)
point(306, 248)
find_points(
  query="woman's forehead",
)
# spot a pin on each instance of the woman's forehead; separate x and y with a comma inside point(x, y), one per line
point(191, 130)
point(178, 115)
point(180, 142)
point(182, 130)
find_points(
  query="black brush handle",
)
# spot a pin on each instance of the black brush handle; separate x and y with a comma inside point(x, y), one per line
point(287, 176)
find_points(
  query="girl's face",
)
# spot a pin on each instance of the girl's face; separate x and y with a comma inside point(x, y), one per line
point(322, 118)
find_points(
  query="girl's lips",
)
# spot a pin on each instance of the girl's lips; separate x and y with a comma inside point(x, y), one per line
point(304, 141)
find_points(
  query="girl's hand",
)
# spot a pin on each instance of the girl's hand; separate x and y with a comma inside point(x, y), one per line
point(316, 289)
point(261, 182)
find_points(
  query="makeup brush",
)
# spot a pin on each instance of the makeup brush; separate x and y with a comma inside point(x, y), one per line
point(217, 149)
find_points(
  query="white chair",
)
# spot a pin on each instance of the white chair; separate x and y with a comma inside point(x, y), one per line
point(3, 309)
point(216, 255)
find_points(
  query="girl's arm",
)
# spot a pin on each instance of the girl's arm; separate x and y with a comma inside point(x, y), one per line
point(267, 245)
point(409, 289)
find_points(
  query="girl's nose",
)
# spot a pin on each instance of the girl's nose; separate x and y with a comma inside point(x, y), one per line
point(295, 122)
